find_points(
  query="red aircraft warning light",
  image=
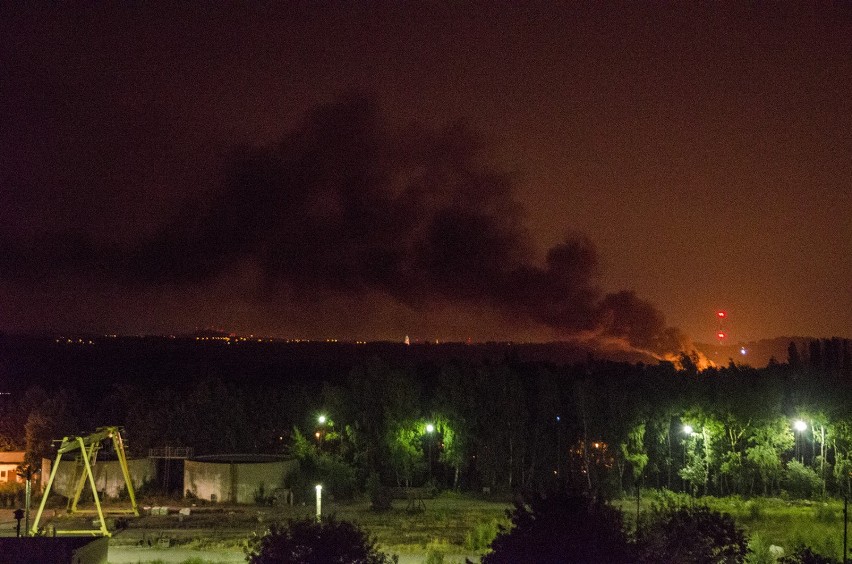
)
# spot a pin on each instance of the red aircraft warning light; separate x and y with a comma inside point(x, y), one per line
point(721, 314)
point(721, 335)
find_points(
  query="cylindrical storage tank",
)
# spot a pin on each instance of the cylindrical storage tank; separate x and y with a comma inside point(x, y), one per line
point(236, 478)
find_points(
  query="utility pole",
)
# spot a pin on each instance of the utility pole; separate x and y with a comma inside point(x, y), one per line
point(27, 472)
point(845, 516)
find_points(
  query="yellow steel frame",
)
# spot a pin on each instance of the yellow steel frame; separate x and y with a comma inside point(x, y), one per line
point(87, 448)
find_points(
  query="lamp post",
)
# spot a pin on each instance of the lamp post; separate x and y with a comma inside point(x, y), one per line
point(429, 430)
point(799, 427)
point(558, 452)
point(688, 431)
point(27, 472)
point(321, 429)
point(319, 502)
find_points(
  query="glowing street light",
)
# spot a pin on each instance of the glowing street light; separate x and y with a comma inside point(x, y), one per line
point(430, 428)
point(800, 425)
point(688, 429)
point(321, 419)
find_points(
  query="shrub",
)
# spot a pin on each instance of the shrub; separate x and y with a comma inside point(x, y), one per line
point(308, 541)
point(561, 528)
point(801, 481)
point(754, 509)
point(825, 514)
point(481, 536)
point(804, 555)
point(262, 497)
point(691, 534)
point(759, 551)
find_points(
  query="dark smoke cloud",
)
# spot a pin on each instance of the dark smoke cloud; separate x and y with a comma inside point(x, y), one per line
point(344, 204)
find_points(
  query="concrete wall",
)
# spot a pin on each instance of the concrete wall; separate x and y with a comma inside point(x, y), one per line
point(108, 476)
point(236, 482)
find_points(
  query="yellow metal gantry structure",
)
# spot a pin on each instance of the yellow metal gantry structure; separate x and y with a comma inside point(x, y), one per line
point(87, 448)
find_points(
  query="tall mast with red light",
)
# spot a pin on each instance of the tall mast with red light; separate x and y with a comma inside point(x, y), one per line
point(720, 332)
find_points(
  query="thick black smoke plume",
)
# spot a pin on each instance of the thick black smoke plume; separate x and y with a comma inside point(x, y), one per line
point(345, 204)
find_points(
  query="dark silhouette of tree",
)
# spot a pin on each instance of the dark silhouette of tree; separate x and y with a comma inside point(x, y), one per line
point(815, 354)
point(691, 534)
point(793, 358)
point(561, 528)
point(307, 541)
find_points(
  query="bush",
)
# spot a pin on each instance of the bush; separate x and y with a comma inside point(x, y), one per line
point(481, 536)
point(263, 497)
point(561, 528)
point(759, 551)
point(308, 541)
point(801, 481)
point(804, 555)
point(691, 534)
point(337, 477)
point(825, 514)
point(754, 509)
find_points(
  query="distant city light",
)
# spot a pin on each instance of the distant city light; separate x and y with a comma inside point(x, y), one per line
point(743, 351)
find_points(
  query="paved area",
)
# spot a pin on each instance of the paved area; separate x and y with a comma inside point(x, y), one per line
point(134, 555)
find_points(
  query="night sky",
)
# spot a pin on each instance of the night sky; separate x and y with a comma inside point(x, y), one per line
point(374, 170)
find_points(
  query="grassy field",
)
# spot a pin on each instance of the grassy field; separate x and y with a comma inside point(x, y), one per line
point(460, 526)
point(767, 521)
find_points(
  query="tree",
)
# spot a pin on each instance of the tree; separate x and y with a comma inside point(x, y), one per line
point(561, 528)
point(793, 358)
point(54, 419)
point(633, 451)
point(691, 534)
point(768, 442)
point(308, 541)
point(405, 441)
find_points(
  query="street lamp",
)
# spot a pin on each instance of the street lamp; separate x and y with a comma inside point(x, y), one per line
point(429, 430)
point(689, 432)
point(321, 430)
point(799, 426)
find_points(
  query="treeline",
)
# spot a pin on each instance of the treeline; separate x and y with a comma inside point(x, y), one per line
point(506, 425)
